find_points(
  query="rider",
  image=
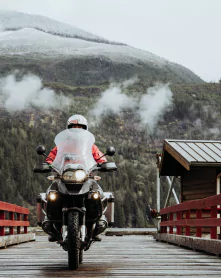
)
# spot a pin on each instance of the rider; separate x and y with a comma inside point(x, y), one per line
point(78, 121)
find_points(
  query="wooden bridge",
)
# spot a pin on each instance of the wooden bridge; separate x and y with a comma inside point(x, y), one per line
point(124, 254)
point(115, 256)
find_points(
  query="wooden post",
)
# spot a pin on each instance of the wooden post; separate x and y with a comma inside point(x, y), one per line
point(2, 217)
point(199, 229)
point(164, 228)
point(187, 231)
point(179, 217)
point(171, 227)
point(213, 230)
point(18, 227)
point(25, 228)
point(11, 228)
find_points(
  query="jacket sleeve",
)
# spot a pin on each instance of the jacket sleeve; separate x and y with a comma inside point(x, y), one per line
point(52, 155)
point(97, 154)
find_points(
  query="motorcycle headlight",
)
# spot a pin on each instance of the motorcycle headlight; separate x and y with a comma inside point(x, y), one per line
point(74, 176)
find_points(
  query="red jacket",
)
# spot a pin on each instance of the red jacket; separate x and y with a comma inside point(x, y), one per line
point(95, 152)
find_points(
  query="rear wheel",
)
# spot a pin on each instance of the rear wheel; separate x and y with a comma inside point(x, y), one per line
point(73, 240)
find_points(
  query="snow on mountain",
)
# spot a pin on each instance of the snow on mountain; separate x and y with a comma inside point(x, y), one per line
point(32, 38)
point(12, 20)
point(25, 34)
point(27, 41)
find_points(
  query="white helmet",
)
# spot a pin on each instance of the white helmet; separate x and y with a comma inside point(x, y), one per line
point(77, 120)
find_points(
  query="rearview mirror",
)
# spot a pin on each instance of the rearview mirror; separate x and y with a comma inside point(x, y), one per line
point(110, 151)
point(40, 150)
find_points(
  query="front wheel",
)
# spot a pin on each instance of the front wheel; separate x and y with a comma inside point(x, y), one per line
point(73, 240)
point(81, 256)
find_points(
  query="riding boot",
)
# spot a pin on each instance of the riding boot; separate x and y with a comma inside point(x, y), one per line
point(52, 238)
point(100, 227)
point(97, 238)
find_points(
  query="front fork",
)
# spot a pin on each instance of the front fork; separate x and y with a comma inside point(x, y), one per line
point(82, 215)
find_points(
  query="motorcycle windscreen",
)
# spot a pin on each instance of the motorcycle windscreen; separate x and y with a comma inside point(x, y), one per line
point(74, 146)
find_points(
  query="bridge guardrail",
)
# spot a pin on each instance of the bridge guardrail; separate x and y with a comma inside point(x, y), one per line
point(194, 224)
point(17, 217)
point(185, 219)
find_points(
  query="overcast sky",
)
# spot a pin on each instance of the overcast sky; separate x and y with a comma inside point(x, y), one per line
point(183, 31)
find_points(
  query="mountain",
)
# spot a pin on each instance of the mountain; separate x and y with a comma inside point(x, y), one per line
point(59, 52)
point(67, 59)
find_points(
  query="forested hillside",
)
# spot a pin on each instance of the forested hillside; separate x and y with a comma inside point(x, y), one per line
point(194, 113)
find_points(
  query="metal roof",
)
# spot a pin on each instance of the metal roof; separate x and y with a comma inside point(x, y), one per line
point(193, 152)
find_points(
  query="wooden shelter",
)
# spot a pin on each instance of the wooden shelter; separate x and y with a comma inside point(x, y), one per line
point(196, 162)
point(195, 221)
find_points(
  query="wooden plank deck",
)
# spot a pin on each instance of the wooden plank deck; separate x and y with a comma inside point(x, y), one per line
point(116, 256)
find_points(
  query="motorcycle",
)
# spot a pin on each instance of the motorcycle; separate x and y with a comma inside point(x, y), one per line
point(74, 209)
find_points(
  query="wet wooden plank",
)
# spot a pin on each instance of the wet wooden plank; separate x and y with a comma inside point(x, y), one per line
point(124, 256)
point(128, 232)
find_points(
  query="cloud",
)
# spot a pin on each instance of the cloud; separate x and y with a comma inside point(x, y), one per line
point(113, 100)
point(20, 94)
point(198, 123)
point(129, 82)
point(154, 104)
point(150, 107)
point(214, 131)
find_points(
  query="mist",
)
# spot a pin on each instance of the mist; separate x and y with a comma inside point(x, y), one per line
point(149, 107)
point(113, 100)
point(154, 104)
point(28, 92)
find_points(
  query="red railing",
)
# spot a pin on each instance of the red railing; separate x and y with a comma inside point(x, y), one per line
point(12, 216)
point(199, 214)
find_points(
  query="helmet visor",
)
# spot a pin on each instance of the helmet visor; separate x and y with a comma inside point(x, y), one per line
point(71, 125)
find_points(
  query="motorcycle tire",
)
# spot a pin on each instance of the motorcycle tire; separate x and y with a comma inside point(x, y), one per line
point(81, 256)
point(73, 240)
